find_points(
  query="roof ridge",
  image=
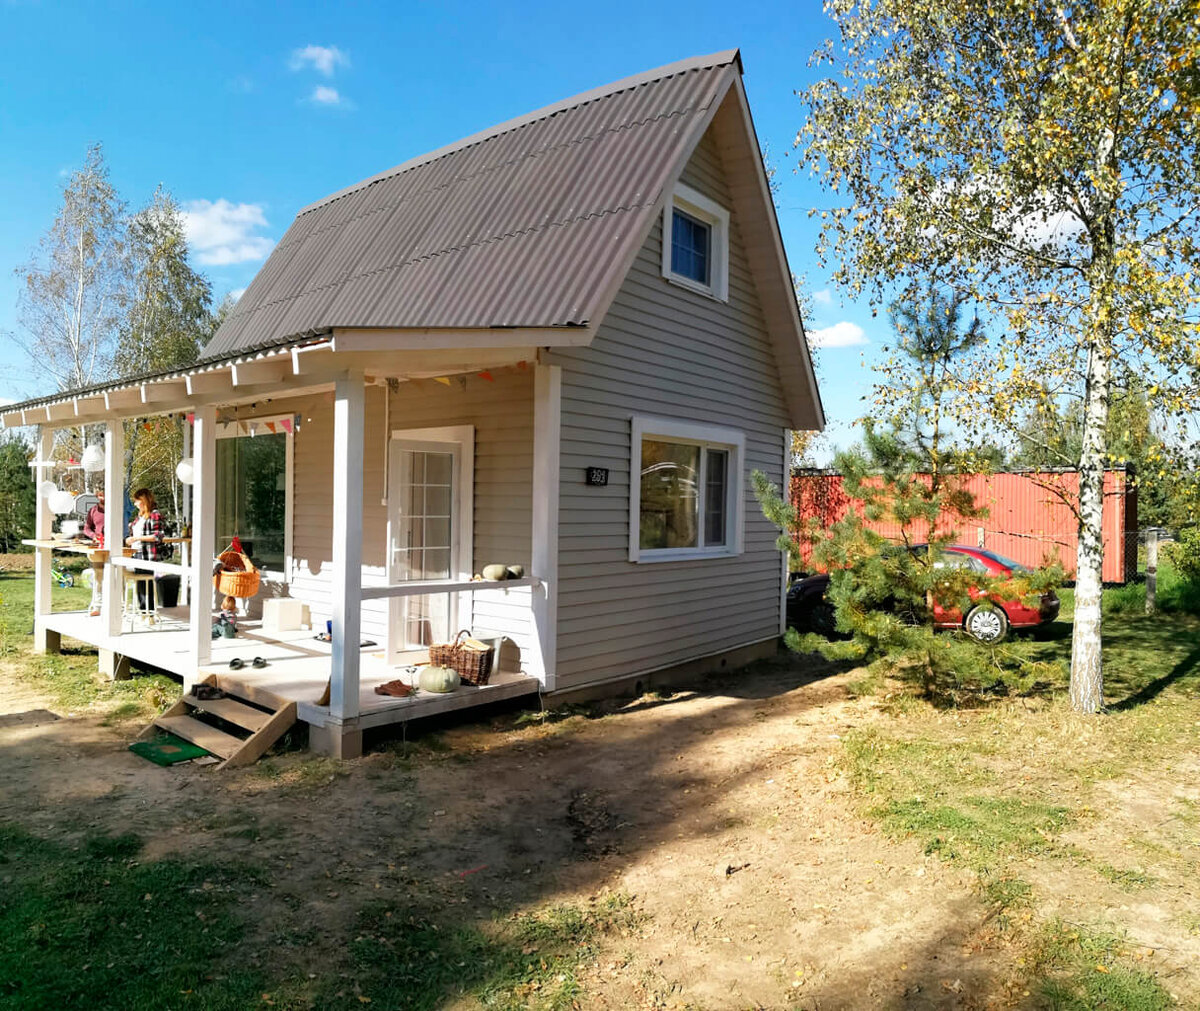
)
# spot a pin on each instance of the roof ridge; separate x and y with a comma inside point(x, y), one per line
point(584, 97)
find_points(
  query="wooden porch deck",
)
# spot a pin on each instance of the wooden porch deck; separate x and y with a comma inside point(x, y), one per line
point(298, 667)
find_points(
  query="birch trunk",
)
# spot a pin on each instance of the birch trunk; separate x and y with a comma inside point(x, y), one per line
point(1087, 671)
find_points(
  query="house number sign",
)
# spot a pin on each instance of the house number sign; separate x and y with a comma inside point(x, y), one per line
point(597, 475)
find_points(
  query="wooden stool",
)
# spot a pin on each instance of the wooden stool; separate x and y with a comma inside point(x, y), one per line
point(147, 612)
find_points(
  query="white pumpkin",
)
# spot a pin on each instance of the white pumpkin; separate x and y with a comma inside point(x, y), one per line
point(438, 679)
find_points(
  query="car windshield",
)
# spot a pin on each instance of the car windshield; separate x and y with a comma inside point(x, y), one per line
point(1008, 563)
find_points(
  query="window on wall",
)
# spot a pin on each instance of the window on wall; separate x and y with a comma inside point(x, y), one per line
point(253, 470)
point(696, 242)
point(685, 492)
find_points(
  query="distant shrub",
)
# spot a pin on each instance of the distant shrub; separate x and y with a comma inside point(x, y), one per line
point(1184, 554)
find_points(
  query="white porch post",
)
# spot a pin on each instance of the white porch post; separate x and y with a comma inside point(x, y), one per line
point(204, 535)
point(348, 417)
point(547, 425)
point(44, 640)
point(112, 600)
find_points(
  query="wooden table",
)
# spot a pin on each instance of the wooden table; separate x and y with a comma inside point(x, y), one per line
point(97, 556)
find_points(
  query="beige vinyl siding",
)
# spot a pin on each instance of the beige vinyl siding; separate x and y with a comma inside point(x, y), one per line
point(667, 352)
point(502, 415)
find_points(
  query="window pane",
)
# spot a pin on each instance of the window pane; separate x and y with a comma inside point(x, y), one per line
point(716, 486)
point(252, 495)
point(670, 506)
point(690, 243)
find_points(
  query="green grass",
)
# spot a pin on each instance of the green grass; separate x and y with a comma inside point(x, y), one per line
point(92, 926)
point(71, 677)
point(411, 959)
point(1090, 970)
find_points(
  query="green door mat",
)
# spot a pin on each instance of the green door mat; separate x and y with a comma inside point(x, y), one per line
point(167, 749)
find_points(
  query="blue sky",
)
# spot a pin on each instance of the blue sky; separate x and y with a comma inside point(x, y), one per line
point(248, 112)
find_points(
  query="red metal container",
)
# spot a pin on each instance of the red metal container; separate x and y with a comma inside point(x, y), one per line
point(1031, 516)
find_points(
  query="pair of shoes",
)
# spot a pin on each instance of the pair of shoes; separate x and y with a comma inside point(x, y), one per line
point(237, 663)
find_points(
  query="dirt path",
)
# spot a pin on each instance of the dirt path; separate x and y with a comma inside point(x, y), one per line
point(723, 812)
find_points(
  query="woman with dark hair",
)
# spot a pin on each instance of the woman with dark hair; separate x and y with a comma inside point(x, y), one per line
point(146, 534)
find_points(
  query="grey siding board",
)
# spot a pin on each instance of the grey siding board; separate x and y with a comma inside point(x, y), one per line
point(667, 352)
point(502, 415)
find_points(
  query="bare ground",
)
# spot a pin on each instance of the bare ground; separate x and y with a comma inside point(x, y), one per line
point(724, 811)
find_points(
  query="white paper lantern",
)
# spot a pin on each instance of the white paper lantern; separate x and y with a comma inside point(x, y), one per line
point(93, 458)
point(47, 488)
point(62, 502)
point(186, 471)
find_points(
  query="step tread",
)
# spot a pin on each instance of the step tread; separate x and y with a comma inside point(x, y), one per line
point(232, 711)
point(209, 738)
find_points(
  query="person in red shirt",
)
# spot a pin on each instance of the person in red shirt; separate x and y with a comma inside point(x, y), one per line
point(93, 528)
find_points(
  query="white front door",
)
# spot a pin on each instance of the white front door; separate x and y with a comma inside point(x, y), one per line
point(428, 493)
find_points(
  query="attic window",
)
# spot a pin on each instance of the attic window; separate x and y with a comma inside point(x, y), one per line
point(696, 242)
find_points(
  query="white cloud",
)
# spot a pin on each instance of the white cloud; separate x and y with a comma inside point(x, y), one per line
point(323, 59)
point(221, 233)
point(236, 293)
point(823, 297)
point(841, 335)
point(324, 95)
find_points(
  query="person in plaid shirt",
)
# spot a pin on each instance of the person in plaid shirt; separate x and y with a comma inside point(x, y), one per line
point(146, 533)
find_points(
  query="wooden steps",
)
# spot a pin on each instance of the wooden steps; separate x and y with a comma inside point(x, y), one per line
point(234, 729)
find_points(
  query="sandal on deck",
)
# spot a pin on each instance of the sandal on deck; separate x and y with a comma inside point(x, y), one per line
point(258, 662)
point(237, 663)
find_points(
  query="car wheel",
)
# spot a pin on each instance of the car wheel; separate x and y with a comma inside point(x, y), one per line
point(988, 625)
point(823, 620)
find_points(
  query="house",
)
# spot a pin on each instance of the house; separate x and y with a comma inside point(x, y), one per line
point(563, 343)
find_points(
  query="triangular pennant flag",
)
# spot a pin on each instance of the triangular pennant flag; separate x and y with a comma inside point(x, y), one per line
point(522, 365)
point(191, 418)
point(487, 375)
point(147, 426)
point(253, 428)
point(271, 426)
point(243, 426)
point(287, 425)
point(441, 379)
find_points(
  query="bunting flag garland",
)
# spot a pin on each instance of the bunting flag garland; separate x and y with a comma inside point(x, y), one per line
point(444, 380)
point(271, 426)
point(147, 426)
point(191, 418)
point(243, 426)
point(286, 423)
point(488, 376)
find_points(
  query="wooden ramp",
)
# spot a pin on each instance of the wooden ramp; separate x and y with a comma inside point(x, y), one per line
point(236, 729)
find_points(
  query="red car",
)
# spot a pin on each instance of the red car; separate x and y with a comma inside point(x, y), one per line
point(809, 611)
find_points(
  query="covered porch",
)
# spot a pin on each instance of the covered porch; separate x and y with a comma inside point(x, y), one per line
point(332, 522)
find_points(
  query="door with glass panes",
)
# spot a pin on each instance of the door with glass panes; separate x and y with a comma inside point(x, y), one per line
point(425, 534)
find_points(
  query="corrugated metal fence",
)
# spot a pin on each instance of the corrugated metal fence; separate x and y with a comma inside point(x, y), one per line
point(1031, 516)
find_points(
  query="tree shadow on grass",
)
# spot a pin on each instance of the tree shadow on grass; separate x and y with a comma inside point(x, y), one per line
point(1150, 691)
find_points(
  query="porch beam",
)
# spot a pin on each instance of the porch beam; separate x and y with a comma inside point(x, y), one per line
point(270, 371)
point(112, 600)
point(165, 391)
point(44, 640)
point(204, 534)
point(126, 400)
point(346, 592)
point(547, 447)
point(218, 380)
point(61, 412)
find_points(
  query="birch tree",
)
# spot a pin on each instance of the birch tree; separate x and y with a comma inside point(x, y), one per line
point(1041, 159)
point(167, 321)
point(73, 289)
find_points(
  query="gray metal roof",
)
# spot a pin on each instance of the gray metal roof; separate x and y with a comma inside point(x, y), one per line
point(522, 225)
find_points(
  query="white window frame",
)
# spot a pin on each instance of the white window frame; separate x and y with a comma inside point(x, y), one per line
point(709, 212)
point(232, 430)
point(732, 441)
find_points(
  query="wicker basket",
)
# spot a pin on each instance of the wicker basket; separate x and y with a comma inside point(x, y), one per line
point(236, 575)
point(471, 659)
